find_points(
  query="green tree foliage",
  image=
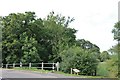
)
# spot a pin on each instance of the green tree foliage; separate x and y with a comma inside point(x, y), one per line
point(115, 50)
point(58, 34)
point(13, 38)
point(116, 31)
point(23, 31)
point(87, 45)
point(0, 41)
point(29, 49)
point(76, 57)
point(104, 56)
point(112, 64)
point(26, 38)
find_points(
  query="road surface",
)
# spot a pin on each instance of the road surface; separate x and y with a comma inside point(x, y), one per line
point(7, 73)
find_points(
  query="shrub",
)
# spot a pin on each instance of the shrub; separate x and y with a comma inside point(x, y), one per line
point(76, 57)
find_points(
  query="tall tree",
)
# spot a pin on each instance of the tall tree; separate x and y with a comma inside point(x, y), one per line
point(14, 25)
point(116, 48)
point(87, 45)
point(58, 34)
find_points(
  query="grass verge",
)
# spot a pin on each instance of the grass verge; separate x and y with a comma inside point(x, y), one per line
point(56, 72)
point(32, 69)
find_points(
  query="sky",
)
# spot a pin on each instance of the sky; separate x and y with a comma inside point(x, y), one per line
point(94, 19)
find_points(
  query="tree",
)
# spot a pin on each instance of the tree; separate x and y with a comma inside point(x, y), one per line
point(87, 45)
point(116, 50)
point(23, 31)
point(27, 38)
point(104, 56)
point(29, 49)
point(116, 31)
point(14, 25)
point(0, 41)
point(58, 35)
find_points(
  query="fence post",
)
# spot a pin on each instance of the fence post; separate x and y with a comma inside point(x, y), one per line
point(53, 67)
point(20, 64)
point(2, 65)
point(6, 65)
point(42, 65)
point(13, 65)
point(57, 65)
point(71, 70)
point(29, 65)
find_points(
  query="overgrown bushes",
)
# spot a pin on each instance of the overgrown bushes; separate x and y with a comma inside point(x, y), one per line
point(26, 38)
point(108, 68)
point(76, 57)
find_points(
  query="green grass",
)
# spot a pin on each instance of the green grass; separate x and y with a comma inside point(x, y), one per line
point(81, 76)
point(32, 69)
point(56, 72)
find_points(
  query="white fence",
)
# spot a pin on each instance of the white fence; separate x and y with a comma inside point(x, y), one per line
point(53, 66)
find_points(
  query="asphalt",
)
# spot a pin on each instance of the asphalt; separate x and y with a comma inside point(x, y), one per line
point(10, 73)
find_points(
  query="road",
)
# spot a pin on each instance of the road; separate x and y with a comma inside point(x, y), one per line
point(10, 74)
point(7, 73)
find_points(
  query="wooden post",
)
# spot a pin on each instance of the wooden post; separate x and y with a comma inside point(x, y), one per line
point(53, 67)
point(29, 65)
point(57, 65)
point(6, 65)
point(77, 73)
point(71, 70)
point(42, 65)
point(13, 65)
point(20, 64)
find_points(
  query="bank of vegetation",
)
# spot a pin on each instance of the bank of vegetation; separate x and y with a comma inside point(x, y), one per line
point(27, 38)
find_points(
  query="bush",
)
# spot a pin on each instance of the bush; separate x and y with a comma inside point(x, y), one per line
point(108, 68)
point(76, 57)
point(102, 69)
point(113, 66)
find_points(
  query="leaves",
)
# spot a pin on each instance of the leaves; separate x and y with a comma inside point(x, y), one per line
point(27, 38)
point(76, 57)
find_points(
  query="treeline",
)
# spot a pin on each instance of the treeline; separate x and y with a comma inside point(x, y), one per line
point(110, 67)
point(26, 38)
